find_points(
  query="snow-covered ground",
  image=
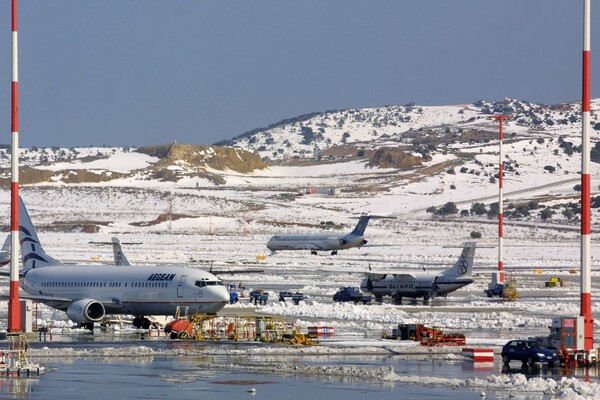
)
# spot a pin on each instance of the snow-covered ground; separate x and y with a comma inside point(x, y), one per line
point(228, 226)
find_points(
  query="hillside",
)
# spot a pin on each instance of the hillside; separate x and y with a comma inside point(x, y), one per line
point(414, 173)
point(167, 163)
point(410, 125)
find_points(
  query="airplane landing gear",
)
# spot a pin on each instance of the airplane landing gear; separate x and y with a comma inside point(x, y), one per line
point(425, 300)
point(397, 299)
point(313, 252)
point(334, 253)
point(87, 325)
point(141, 322)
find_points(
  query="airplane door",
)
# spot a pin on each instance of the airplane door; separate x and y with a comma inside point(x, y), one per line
point(180, 285)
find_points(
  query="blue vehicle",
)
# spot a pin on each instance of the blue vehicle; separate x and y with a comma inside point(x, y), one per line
point(528, 352)
point(296, 297)
point(351, 294)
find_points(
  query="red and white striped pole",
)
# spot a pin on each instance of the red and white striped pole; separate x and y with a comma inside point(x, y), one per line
point(14, 309)
point(586, 279)
point(500, 118)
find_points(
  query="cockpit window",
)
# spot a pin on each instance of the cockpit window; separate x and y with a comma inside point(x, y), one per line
point(208, 283)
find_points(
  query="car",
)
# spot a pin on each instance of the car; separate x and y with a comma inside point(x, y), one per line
point(528, 352)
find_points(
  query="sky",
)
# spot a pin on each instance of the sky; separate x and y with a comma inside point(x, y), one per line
point(142, 72)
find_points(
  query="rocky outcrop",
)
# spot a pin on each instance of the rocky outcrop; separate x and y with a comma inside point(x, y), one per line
point(389, 157)
point(215, 157)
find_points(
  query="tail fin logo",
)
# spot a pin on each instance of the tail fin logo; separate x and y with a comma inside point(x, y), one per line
point(463, 266)
point(31, 253)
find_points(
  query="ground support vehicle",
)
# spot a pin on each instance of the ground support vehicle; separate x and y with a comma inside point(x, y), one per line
point(295, 297)
point(350, 293)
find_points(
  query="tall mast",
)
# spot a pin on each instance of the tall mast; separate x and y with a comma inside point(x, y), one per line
point(500, 118)
point(14, 310)
point(586, 280)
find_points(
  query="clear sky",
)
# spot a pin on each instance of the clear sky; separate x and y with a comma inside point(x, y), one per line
point(140, 72)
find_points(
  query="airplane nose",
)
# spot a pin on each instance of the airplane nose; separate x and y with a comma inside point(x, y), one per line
point(222, 294)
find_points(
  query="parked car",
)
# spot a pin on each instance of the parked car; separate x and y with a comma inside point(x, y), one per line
point(528, 352)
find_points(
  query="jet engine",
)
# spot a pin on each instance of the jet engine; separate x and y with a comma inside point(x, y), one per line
point(334, 241)
point(86, 310)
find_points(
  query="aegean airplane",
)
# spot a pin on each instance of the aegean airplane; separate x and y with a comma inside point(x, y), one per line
point(316, 243)
point(427, 285)
point(88, 293)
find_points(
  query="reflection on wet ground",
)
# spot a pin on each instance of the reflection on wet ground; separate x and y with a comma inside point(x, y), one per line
point(211, 370)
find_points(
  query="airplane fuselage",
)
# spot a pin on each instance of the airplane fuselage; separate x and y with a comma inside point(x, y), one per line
point(314, 242)
point(155, 290)
point(419, 286)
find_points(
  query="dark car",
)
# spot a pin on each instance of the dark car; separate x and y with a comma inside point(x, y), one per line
point(528, 352)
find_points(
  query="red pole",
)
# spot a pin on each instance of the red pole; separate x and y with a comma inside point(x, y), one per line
point(586, 280)
point(500, 118)
point(14, 309)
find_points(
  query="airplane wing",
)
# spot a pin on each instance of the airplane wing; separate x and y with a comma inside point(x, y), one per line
point(6, 272)
point(113, 306)
point(237, 271)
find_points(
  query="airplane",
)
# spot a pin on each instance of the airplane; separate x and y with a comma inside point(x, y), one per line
point(427, 285)
point(5, 252)
point(316, 243)
point(120, 259)
point(89, 292)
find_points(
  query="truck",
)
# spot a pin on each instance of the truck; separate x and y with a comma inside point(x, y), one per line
point(351, 293)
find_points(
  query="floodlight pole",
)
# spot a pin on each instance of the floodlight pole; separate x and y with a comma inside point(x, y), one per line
point(500, 118)
point(14, 309)
point(586, 282)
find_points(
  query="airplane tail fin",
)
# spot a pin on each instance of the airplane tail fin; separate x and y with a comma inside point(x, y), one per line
point(32, 253)
point(7, 243)
point(464, 264)
point(359, 230)
point(120, 258)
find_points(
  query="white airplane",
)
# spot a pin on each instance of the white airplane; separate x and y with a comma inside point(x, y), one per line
point(316, 243)
point(5, 252)
point(120, 259)
point(427, 285)
point(88, 293)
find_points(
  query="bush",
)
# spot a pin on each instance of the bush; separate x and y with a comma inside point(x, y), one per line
point(475, 235)
point(478, 209)
point(546, 213)
point(447, 209)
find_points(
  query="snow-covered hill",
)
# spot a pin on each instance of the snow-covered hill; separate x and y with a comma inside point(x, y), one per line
point(456, 149)
point(310, 134)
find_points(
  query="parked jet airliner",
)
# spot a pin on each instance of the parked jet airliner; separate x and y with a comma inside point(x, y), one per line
point(427, 285)
point(316, 243)
point(87, 293)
